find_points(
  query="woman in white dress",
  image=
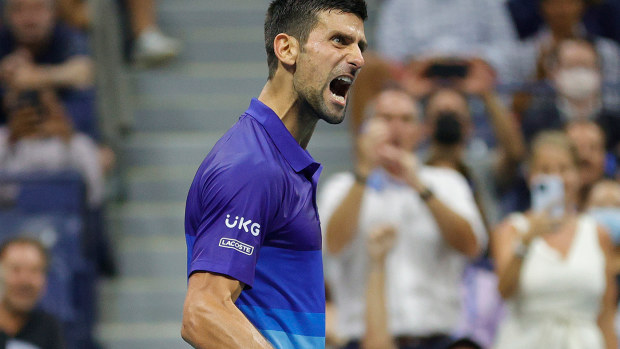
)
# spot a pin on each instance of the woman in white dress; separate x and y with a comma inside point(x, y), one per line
point(553, 265)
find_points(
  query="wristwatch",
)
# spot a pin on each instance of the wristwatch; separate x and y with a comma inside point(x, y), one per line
point(426, 194)
point(359, 178)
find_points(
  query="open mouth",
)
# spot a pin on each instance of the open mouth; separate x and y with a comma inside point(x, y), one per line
point(339, 88)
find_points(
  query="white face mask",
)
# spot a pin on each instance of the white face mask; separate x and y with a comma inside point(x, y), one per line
point(578, 83)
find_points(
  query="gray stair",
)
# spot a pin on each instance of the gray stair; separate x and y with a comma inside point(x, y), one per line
point(180, 112)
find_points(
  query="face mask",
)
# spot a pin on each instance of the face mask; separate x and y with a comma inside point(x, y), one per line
point(608, 217)
point(448, 130)
point(578, 83)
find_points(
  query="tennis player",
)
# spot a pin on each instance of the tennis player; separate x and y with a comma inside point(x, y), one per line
point(251, 224)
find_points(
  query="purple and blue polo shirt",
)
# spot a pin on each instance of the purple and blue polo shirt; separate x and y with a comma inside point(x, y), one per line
point(251, 214)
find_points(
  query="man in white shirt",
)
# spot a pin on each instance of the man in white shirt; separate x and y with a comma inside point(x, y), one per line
point(433, 210)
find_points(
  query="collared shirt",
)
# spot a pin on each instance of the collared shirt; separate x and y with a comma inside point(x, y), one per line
point(423, 272)
point(251, 215)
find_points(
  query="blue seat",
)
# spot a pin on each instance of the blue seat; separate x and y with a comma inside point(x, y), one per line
point(52, 208)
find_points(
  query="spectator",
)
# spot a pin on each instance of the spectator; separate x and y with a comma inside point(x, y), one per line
point(415, 35)
point(594, 163)
point(604, 205)
point(432, 208)
point(24, 262)
point(553, 264)
point(151, 46)
point(530, 60)
point(449, 121)
point(37, 52)
point(577, 78)
point(39, 137)
point(601, 17)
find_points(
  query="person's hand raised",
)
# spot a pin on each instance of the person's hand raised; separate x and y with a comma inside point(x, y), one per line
point(375, 134)
point(380, 242)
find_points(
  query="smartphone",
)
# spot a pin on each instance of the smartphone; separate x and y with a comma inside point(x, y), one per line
point(548, 194)
point(447, 69)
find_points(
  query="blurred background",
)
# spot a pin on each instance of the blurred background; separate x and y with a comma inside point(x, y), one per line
point(109, 106)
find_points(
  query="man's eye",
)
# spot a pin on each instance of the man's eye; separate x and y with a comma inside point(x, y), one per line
point(338, 40)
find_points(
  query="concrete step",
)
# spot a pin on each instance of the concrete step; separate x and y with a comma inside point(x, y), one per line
point(135, 300)
point(174, 85)
point(147, 219)
point(190, 148)
point(161, 254)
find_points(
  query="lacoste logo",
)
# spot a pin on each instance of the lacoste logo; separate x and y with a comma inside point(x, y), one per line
point(254, 228)
point(237, 245)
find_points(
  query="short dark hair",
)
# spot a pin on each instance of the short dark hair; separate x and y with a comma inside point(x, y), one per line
point(25, 240)
point(298, 17)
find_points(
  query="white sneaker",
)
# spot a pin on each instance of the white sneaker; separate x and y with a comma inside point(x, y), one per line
point(152, 47)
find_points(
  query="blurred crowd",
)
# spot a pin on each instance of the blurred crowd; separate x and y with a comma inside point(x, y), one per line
point(50, 135)
point(483, 209)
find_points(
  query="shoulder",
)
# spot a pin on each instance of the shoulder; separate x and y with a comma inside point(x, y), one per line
point(604, 239)
point(443, 176)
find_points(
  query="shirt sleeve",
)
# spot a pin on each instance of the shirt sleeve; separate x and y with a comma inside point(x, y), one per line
point(232, 208)
point(452, 189)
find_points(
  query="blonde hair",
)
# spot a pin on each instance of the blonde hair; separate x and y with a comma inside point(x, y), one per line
point(557, 139)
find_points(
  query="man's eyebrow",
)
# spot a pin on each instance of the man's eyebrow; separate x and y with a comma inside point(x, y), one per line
point(362, 45)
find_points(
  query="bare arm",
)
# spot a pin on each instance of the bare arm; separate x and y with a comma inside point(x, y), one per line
point(608, 307)
point(377, 335)
point(210, 318)
point(455, 229)
point(511, 145)
point(342, 226)
point(508, 264)
point(77, 72)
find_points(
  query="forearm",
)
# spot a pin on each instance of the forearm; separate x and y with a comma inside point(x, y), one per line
point(220, 326)
point(77, 73)
point(510, 140)
point(342, 226)
point(509, 277)
point(455, 230)
point(606, 324)
point(377, 333)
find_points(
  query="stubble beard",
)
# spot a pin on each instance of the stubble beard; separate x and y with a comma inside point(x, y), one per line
point(313, 103)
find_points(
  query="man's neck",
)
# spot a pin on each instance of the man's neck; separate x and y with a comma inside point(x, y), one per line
point(11, 322)
point(279, 95)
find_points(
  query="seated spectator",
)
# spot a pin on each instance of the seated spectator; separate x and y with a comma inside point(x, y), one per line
point(37, 51)
point(553, 264)
point(531, 59)
point(432, 209)
point(39, 137)
point(24, 263)
point(594, 163)
point(604, 205)
point(576, 75)
point(421, 42)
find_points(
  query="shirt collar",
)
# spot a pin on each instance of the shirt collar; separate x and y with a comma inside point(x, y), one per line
point(296, 156)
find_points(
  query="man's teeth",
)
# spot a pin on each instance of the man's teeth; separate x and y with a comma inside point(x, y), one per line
point(346, 79)
point(339, 98)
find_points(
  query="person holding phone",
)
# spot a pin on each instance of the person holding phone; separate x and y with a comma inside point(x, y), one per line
point(553, 264)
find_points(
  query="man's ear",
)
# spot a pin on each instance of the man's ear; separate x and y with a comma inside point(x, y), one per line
point(286, 49)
